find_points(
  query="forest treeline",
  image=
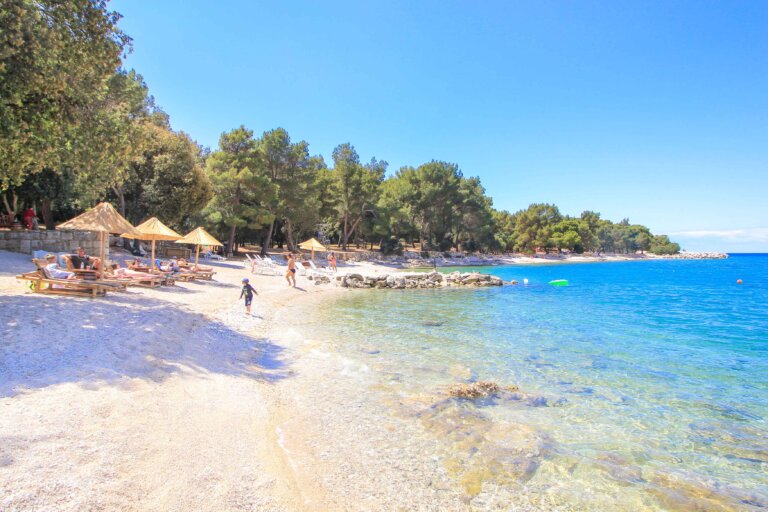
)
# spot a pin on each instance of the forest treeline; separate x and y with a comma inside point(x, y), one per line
point(77, 128)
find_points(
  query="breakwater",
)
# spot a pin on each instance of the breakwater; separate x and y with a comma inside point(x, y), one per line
point(401, 281)
point(691, 255)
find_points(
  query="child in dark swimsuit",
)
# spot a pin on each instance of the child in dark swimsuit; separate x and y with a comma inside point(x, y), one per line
point(247, 292)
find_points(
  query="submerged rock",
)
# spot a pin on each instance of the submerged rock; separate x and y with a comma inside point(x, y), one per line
point(479, 389)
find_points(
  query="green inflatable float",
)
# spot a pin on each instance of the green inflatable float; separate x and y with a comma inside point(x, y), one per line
point(559, 282)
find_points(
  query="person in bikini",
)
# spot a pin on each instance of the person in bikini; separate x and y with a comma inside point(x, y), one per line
point(290, 275)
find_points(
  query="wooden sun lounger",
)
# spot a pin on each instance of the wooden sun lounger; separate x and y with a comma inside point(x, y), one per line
point(146, 280)
point(204, 274)
point(85, 276)
point(164, 278)
point(199, 273)
point(41, 284)
point(184, 276)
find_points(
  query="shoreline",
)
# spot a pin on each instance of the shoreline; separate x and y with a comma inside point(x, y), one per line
point(486, 261)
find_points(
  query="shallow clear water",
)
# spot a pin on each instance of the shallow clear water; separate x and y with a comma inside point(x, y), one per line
point(644, 384)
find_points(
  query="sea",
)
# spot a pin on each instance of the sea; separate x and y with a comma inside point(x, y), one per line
point(642, 385)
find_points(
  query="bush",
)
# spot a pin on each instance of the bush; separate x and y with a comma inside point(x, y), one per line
point(391, 246)
point(446, 243)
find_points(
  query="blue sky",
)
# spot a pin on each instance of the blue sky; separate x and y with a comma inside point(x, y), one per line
point(656, 111)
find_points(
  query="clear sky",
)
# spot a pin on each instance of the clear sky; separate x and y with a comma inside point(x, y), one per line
point(656, 111)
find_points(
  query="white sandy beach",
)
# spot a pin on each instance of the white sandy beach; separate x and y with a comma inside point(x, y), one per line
point(173, 399)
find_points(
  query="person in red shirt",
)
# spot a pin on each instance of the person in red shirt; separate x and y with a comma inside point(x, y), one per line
point(30, 218)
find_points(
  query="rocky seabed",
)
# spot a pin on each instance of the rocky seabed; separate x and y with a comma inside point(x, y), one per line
point(418, 280)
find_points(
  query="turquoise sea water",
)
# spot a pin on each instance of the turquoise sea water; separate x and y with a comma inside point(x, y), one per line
point(644, 385)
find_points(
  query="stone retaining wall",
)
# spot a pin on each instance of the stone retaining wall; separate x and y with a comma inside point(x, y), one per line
point(52, 241)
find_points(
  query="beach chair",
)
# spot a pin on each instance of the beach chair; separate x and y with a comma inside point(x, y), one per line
point(204, 274)
point(41, 282)
point(139, 265)
point(199, 271)
point(88, 275)
point(249, 262)
point(271, 266)
point(137, 278)
point(258, 265)
point(208, 255)
point(320, 271)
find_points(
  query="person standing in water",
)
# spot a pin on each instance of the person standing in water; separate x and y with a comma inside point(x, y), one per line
point(290, 275)
point(248, 292)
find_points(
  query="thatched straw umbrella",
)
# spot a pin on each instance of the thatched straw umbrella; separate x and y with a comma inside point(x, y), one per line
point(102, 218)
point(152, 229)
point(198, 237)
point(312, 245)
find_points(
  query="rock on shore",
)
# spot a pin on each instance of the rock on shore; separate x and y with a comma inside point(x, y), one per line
point(689, 255)
point(418, 280)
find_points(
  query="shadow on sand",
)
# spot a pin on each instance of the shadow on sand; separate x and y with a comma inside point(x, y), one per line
point(48, 340)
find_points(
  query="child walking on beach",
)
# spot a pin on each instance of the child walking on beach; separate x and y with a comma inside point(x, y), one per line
point(247, 292)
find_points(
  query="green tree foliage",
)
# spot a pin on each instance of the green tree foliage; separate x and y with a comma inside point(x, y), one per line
point(293, 173)
point(473, 222)
point(49, 189)
point(565, 235)
point(395, 208)
point(115, 133)
point(533, 227)
point(242, 190)
point(355, 188)
point(504, 232)
point(56, 61)
point(660, 244)
point(166, 179)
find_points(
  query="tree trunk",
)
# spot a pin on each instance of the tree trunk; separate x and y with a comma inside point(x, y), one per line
point(352, 229)
point(120, 199)
point(12, 207)
point(268, 241)
point(344, 234)
point(45, 210)
point(289, 235)
point(231, 242)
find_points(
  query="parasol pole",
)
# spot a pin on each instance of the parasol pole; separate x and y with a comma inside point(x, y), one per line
point(152, 261)
point(103, 255)
point(197, 254)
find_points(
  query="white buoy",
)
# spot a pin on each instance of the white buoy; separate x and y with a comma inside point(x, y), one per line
point(525, 281)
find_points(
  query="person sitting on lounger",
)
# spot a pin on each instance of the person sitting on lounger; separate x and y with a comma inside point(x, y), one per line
point(161, 265)
point(173, 265)
point(80, 260)
point(54, 271)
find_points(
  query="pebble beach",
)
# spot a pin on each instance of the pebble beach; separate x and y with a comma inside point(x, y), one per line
point(173, 399)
